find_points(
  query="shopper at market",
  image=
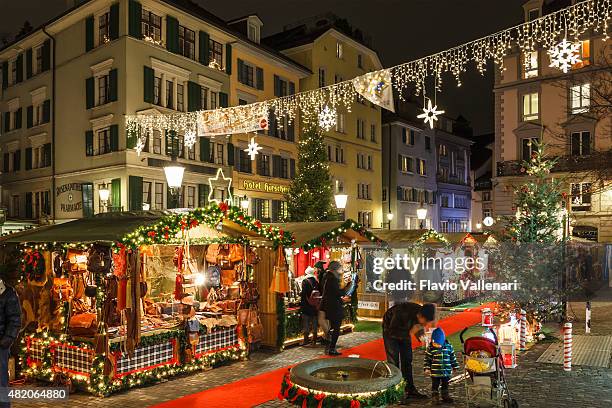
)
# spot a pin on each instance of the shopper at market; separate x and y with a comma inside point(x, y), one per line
point(322, 320)
point(10, 323)
point(332, 304)
point(400, 322)
point(310, 299)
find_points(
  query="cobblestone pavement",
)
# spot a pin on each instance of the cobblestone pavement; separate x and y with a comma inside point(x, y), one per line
point(259, 362)
point(532, 384)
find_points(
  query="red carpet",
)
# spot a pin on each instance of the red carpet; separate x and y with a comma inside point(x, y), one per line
point(256, 390)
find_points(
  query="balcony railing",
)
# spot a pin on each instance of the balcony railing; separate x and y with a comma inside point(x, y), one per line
point(452, 180)
point(595, 161)
point(480, 185)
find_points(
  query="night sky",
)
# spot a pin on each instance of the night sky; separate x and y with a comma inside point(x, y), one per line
point(401, 30)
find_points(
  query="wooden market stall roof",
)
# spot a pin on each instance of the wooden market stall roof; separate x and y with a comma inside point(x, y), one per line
point(105, 227)
point(309, 232)
point(402, 236)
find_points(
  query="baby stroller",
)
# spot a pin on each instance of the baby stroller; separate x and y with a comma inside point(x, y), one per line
point(484, 372)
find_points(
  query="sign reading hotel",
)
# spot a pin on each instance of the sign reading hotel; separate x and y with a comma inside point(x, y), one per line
point(264, 186)
point(229, 126)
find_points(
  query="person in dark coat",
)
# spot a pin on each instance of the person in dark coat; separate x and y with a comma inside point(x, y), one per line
point(332, 304)
point(400, 322)
point(309, 311)
point(322, 320)
point(10, 324)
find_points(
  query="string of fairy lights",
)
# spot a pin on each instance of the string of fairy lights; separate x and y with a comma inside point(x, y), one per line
point(557, 32)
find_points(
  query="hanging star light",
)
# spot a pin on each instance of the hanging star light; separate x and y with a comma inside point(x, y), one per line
point(327, 118)
point(430, 113)
point(220, 182)
point(564, 55)
point(140, 145)
point(190, 138)
point(253, 148)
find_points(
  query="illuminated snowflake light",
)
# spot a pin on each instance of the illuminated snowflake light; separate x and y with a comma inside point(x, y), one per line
point(253, 149)
point(327, 118)
point(430, 114)
point(564, 55)
point(139, 146)
point(190, 138)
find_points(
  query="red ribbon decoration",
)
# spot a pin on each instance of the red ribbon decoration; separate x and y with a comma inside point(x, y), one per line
point(320, 398)
point(355, 404)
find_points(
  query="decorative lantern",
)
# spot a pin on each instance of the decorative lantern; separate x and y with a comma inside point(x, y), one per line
point(487, 317)
point(508, 352)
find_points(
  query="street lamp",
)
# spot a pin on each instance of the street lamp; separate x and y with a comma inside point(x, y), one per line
point(341, 200)
point(389, 219)
point(421, 215)
point(244, 203)
point(104, 194)
point(174, 176)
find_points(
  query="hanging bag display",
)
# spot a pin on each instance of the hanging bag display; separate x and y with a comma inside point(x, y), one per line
point(236, 253)
point(280, 278)
point(212, 252)
point(91, 288)
point(254, 327)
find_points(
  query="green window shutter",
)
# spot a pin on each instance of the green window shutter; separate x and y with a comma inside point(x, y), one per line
point(194, 96)
point(47, 154)
point(17, 160)
point(30, 116)
point(89, 93)
point(135, 14)
point(87, 199)
point(135, 187)
point(240, 70)
point(19, 68)
point(46, 55)
point(28, 205)
point(5, 163)
point(112, 77)
point(47, 111)
point(29, 63)
point(7, 121)
point(114, 138)
point(149, 84)
point(292, 168)
point(28, 152)
point(276, 161)
point(18, 118)
point(230, 154)
point(172, 26)
point(116, 193)
point(113, 30)
point(89, 149)
point(259, 75)
point(5, 75)
point(223, 100)
point(291, 88)
point(204, 149)
point(277, 86)
point(228, 59)
point(89, 33)
point(204, 57)
point(203, 190)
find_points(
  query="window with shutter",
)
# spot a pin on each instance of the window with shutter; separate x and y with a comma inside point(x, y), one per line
point(116, 194)
point(89, 33)
point(223, 100)
point(135, 191)
point(113, 30)
point(228, 59)
point(112, 85)
point(230, 154)
point(5, 71)
point(149, 84)
point(203, 190)
point(28, 158)
point(87, 197)
point(194, 96)
point(172, 35)
point(204, 50)
point(134, 17)
point(46, 111)
point(114, 138)
point(28, 205)
point(89, 93)
point(29, 63)
point(46, 55)
point(19, 68)
point(30, 116)
point(89, 146)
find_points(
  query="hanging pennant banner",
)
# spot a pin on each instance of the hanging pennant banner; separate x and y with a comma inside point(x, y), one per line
point(227, 123)
point(376, 88)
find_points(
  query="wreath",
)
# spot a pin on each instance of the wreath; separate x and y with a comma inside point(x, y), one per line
point(33, 265)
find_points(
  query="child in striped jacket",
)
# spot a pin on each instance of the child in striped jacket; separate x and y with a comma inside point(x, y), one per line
point(440, 361)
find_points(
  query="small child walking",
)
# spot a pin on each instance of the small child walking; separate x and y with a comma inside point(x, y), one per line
point(440, 361)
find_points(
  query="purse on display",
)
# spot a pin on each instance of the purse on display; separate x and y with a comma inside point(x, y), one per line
point(91, 288)
point(62, 289)
point(236, 253)
point(212, 252)
point(251, 257)
point(228, 277)
point(254, 327)
point(250, 293)
point(99, 259)
point(83, 324)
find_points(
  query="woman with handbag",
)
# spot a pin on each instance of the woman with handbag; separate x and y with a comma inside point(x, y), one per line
point(310, 299)
point(332, 304)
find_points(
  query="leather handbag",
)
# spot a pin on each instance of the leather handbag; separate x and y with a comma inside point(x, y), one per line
point(236, 253)
point(254, 327)
point(99, 259)
point(62, 289)
point(243, 316)
point(251, 257)
point(91, 288)
point(212, 252)
point(83, 324)
point(228, 277)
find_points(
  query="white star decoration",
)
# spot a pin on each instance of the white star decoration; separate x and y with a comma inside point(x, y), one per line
point(327, 118)
point(564, 55)
point(219, 181)
point(430, 114)
point(139, 146)
point(190, 138)
point(253, 148)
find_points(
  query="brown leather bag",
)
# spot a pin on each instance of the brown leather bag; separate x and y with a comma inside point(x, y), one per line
point(254, 327)
point(212, 252)
point(236, 253)
point(251, 257)
point(228, 277)
point(83, 324)
point(62, 289)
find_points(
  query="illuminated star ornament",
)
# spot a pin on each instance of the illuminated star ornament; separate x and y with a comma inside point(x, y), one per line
point(327, 118)
point(430, 113)
point(564, 55)
point(220, 182)
point(140, 145)
point(253, 148)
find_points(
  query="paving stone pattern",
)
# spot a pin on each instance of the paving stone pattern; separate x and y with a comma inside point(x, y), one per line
point(593, 351)
point(259, 362)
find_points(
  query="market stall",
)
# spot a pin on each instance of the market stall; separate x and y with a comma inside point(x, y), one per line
point(123, 299)
point(340, 241)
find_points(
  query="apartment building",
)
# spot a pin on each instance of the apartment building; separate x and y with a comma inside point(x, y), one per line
point(67, 85)
point(336, 52)
point(534, 102)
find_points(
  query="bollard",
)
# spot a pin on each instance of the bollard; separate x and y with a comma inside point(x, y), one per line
point(587, 320)
point(523, 331)
point(567, 347)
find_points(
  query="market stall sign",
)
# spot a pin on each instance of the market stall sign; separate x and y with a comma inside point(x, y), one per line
point(264, 186)
point(363, 304)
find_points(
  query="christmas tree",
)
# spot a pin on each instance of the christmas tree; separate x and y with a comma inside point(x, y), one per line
point(310, 194)
point(532, 248)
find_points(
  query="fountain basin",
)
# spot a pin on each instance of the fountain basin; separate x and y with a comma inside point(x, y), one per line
point(345, 375)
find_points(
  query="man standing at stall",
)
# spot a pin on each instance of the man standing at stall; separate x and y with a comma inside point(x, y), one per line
point(10, 324)
point(400, 322)
point(310, 299)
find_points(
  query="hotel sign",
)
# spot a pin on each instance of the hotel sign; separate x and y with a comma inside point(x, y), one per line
point(264, 186)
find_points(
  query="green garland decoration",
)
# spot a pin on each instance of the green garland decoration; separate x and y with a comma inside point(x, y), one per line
point(432, 234)
point(315, 399)
point(164, 231)
point(329, 236)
